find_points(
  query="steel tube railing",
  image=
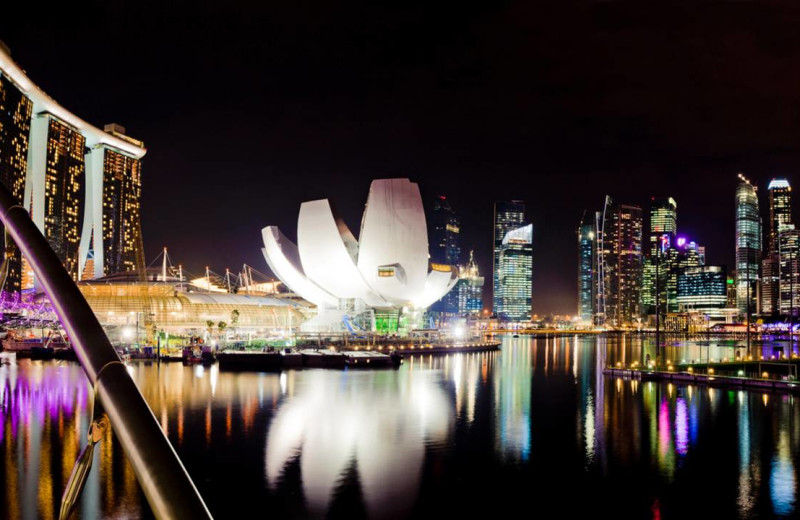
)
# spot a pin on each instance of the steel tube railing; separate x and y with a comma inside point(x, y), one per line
point(165, 482)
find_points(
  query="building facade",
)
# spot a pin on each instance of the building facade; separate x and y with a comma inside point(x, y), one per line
point(514, 275)
point(780, 211)
point(586, 270)
point(445, 248)
point(59, 184)
point(682, 255)
point(15, 127)
point(748, 246)
point(780, 220)
point(702, 289)
point(469, 289)
point(508, 215)
point(663, 225)
point(620, 253)
point(770, 285)
point(788, 270)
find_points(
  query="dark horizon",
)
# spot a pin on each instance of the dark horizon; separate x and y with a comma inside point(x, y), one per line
point(249, 109)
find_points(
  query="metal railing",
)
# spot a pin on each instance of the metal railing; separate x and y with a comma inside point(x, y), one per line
point(165, 482)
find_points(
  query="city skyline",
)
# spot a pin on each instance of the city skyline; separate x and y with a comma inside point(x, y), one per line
point(342, 113)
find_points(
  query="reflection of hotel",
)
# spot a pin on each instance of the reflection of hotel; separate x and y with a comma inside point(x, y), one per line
point(80, 184)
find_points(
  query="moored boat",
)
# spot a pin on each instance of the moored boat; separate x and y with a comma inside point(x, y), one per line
point(250, 360)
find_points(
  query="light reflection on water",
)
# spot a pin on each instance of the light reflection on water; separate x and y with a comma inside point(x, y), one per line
point(419, 440)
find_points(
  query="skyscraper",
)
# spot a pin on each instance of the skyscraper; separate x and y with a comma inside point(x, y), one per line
point(57, 197)
point(780, 220)
point(663, 221)
point(748, 245)
point(514, 269)
point(445, 230)
point(586, 270)
point(789, 267)
point(508, 215)
point(621, 257)
point(770, 285)
point(681, 256)
point(111, 230)
point(80, 184)
point(702, 289)
point(469, 289)
point(780, 210)
point(15, 125)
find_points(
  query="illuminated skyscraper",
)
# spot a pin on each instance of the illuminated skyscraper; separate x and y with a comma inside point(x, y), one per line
point(620, 255)
point(15, 125)
point(111, 236)
point(663, 221)
point(508, 215)
point(469, 289)
point(770, 285)
point(780, 220)
point(445, 230)
point(789, 267)
point(780, 210)
point(514, 269)
point(50, 159)
point(586, 270)
point(55, 191)
point(681, 256)
point(748, 245)
point(702, 289)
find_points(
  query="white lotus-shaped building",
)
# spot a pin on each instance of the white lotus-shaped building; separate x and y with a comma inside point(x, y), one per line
point(387, 267)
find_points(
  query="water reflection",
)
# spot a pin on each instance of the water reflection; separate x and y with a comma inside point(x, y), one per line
point(43, 423)
point(416, 441)
point(512, 399)
point(373, 423)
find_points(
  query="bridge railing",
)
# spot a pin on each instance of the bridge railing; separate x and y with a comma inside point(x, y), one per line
point(165, 482)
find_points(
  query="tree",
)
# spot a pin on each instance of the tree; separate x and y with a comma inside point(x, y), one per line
point(234, 321)
point(210, 328)
point(221, 326)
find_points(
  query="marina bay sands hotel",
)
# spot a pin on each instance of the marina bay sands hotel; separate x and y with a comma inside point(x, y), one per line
point(80, 184)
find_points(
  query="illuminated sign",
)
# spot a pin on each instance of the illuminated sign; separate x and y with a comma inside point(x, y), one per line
point(664, 243)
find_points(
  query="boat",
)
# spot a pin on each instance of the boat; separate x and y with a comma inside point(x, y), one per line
point(191, 356)
point(368, 359)
point(250, 360)
point(291, 358)
point(42, 352)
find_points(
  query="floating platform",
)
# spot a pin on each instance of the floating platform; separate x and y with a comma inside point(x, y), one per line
point(243, 360)
point(370, 359)
point(747, 383)
point(428, 348)
point(373, 356)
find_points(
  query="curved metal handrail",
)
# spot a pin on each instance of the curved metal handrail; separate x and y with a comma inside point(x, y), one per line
point(165, 482)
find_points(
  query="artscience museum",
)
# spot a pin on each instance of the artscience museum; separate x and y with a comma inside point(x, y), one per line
point(382, 280)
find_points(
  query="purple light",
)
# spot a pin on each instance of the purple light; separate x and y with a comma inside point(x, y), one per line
point(681, 241)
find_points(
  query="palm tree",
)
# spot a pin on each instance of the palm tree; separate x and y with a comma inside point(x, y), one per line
point(221, 326)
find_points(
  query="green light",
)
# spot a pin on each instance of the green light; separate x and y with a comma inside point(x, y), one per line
point(730, 281)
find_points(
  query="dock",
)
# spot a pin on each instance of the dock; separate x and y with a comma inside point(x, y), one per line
point(763, 374)
point(355, 356)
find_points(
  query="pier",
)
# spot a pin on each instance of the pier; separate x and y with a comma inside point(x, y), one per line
point(761, 374)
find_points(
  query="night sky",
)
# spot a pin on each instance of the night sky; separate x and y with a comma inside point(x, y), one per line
point(248, 109)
